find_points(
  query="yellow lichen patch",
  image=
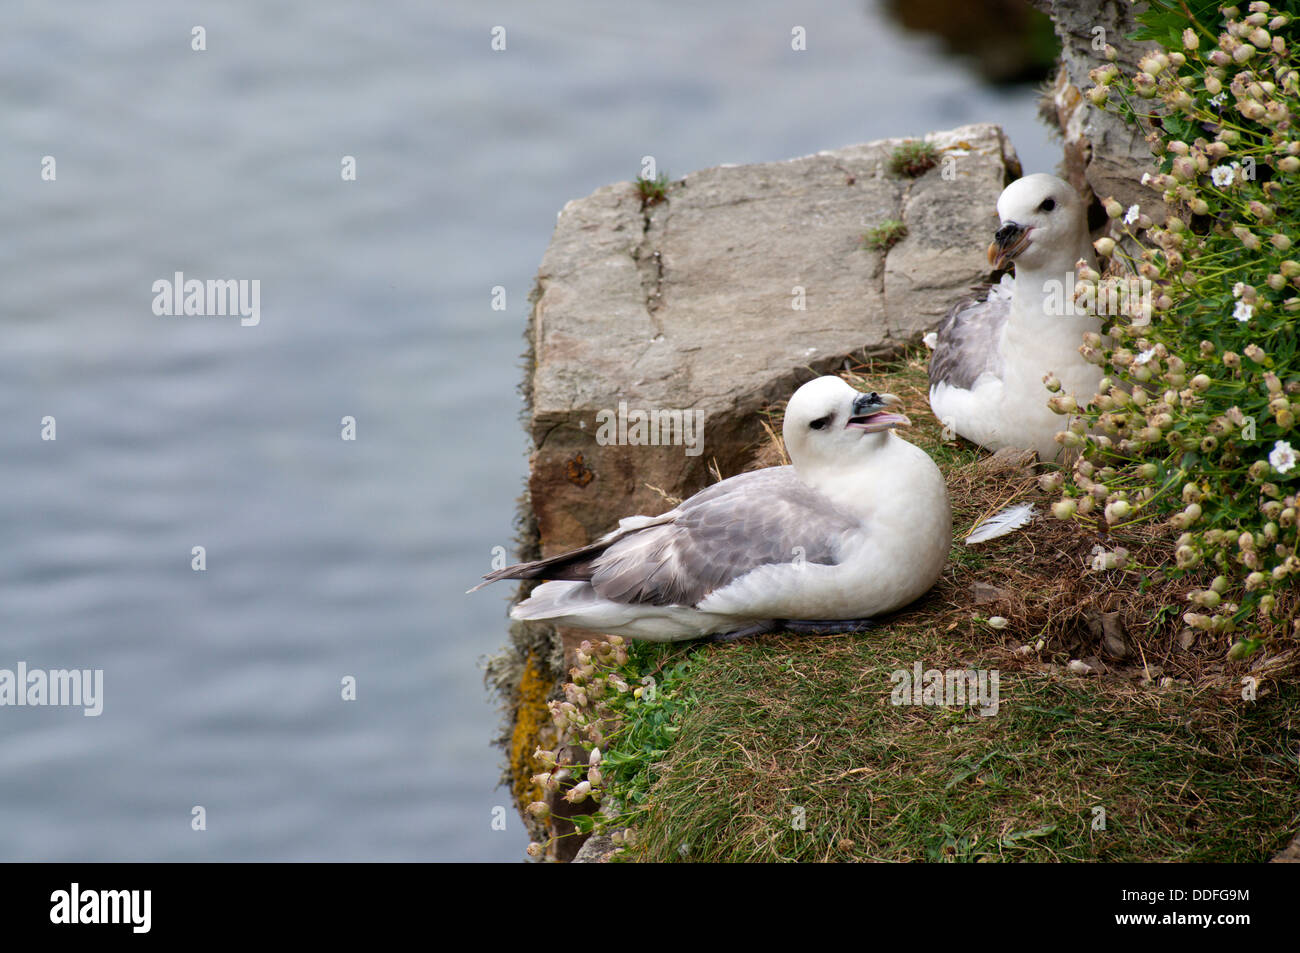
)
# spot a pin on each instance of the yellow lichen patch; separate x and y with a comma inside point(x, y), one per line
point(532, 729)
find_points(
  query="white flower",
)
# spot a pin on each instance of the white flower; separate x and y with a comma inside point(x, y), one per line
point(1132, 214)
point(931, 340)
point(1238, 289)
point(1243, 311)
point(1146, 178)
point(1103, 559)
point(1222, 175)
point(1145, 356)
point(1283, 457)
point(1218, 100)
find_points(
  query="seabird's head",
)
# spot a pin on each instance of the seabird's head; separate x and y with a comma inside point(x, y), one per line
point(827, 419)
point(1044, 225)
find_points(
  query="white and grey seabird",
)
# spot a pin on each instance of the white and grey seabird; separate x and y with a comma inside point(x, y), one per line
point(990, 355)
point(857, 527)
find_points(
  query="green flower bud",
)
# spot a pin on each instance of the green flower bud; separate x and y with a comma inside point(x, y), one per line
point(1064, 509)
point(1118, 510)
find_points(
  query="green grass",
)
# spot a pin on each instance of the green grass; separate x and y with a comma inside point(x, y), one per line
point(913, 159)
point(884, 236)
point(653, 191)
point(807, 723)
point(967, 558)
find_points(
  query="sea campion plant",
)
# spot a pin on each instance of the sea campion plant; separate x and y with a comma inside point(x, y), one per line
point(620, 710)
point(1194, 423)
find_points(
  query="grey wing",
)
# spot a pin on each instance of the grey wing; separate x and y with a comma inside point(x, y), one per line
point(754, 519)
point(966, 345)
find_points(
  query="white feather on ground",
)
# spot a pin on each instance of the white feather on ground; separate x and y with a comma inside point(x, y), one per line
point(999, 524)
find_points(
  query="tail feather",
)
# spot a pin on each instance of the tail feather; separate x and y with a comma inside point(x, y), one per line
point(553, 600)
point(574, 565)
point(577, 564)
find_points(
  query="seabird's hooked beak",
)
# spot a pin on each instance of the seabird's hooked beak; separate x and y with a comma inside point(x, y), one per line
point(1008, 242)
point(869, 413)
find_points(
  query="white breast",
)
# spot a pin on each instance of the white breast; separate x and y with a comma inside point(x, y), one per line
point(900, 553)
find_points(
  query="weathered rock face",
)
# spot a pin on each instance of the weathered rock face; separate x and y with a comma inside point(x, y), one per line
point(717, 303)
point(721, 299)
point(1101, 152)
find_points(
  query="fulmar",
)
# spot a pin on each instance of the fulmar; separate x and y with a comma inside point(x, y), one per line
point(991, 353)
point(857, 526)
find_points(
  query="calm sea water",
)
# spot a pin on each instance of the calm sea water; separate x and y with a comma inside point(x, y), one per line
point(326, 558)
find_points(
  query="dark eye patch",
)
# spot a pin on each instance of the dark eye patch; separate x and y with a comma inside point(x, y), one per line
point(821, 422)
point(1048, 205)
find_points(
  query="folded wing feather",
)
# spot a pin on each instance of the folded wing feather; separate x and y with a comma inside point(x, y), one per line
point(753, 519)
point(966, 345)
